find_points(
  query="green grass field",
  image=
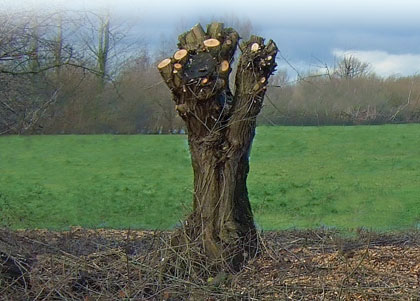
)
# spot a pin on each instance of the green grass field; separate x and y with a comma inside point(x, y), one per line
point(344, 177)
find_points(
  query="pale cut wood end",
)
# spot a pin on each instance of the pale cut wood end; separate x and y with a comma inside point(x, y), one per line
point(164, 63)
point(224, 66)
point(210, 43)
point(255, 47)
point(180, 54)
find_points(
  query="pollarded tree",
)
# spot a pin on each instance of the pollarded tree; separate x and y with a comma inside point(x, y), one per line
point(221, 128)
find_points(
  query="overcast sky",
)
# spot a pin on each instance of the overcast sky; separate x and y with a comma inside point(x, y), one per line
point(384, 33)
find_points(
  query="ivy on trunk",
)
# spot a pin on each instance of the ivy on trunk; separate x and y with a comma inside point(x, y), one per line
point(221, 127)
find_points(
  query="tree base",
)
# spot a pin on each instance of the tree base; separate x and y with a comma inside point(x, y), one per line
point(186, 255)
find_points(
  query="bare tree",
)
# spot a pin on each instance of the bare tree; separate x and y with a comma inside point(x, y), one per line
point(26, 58)
point(221, 128)
point(36, 49)
point(351, 67)
point(104, 43)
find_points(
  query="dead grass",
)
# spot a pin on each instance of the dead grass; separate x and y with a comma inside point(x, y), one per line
point(85, 264)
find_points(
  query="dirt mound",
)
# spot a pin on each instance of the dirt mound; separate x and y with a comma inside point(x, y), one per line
point(85, 264)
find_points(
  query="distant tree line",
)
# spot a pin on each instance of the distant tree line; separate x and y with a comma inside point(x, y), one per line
point(80, 73)
point(346, 95)
point(77, 73)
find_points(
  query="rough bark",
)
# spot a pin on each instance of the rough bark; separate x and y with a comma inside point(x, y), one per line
point(221, 127)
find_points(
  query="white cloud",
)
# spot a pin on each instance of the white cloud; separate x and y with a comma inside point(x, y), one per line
point(384, 63)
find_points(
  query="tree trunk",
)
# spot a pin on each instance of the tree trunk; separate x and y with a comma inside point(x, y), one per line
point(58, 49)
point(103, 50)
point(221, 127)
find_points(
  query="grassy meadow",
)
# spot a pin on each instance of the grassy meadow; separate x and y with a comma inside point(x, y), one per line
point(305, 177)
